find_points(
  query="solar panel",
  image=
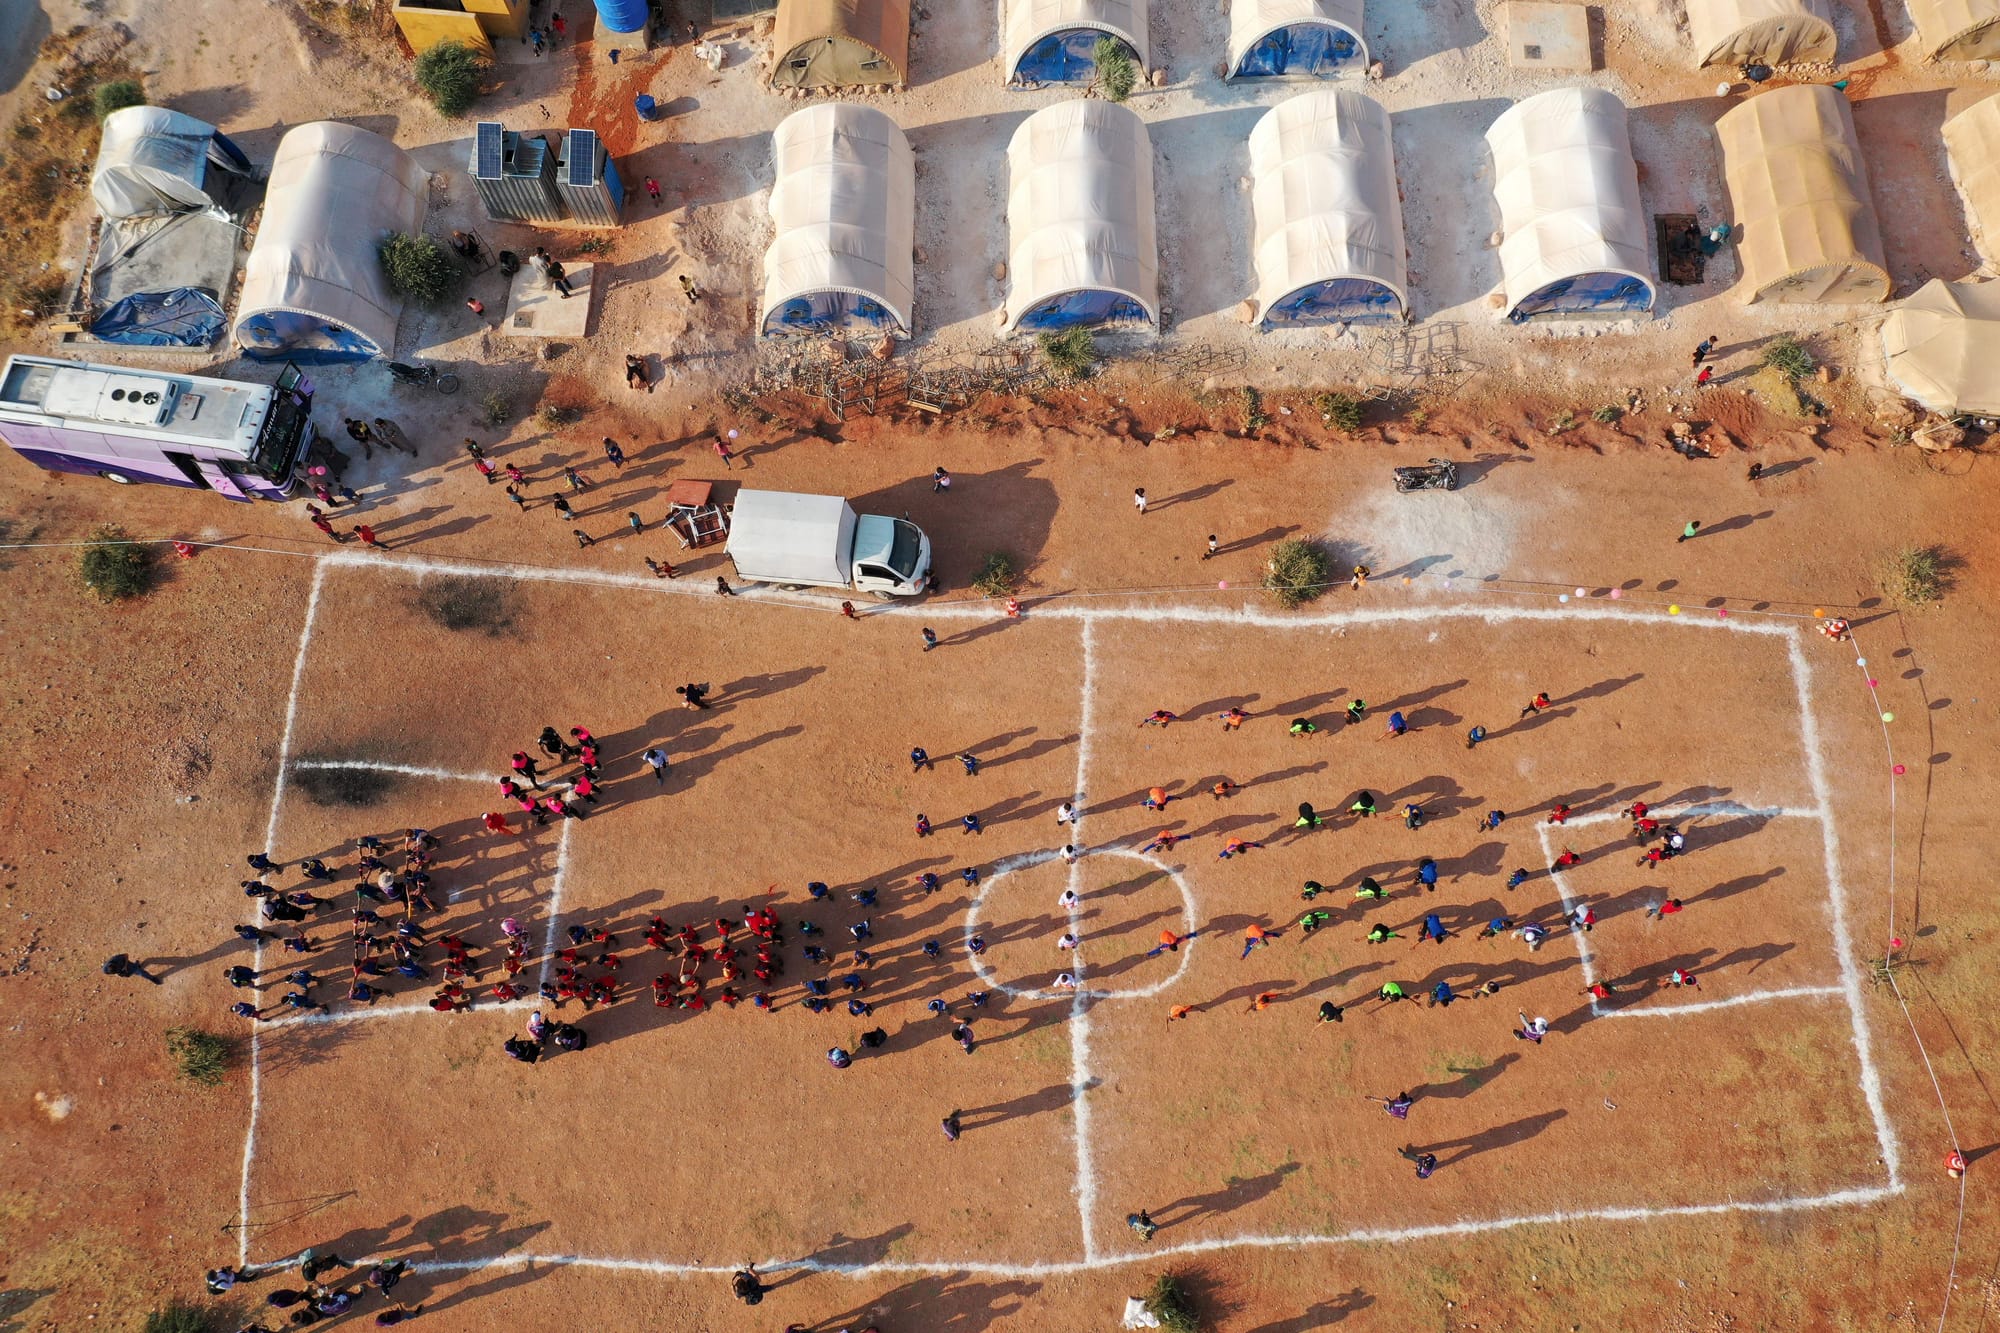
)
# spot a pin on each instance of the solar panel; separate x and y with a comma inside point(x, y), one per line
point(487, 150)
point(582, 158)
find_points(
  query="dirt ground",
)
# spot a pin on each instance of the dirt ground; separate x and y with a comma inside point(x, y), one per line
point(1716, 1169)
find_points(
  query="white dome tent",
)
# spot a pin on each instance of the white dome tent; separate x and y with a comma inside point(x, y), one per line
point(1328, 222)
point(1083, 247)
point(1972, 147)
point(1573, 229)
point(151, 161)
point(1295, 39)
point(845, 207)
point(313, 287)
point(1767, 32)
point(1055, 41)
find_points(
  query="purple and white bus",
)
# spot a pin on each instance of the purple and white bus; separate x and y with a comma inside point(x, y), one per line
point(244, 441)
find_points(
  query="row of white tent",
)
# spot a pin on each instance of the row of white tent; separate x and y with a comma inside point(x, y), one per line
point(1328, 228)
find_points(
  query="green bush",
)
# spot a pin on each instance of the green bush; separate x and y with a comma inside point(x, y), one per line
point(1298, 571)
point(1069, 355)
point(115, 567)
point(419, 268)
point(1117, 72)
point(1339, 411)
point(1607, 414)
point(495, 408)
point(1788, 356)
point(996, 577)
point(179, 1317)
point(1917, 575)
point(1167, 1300)
point(201, 1057)
point(450, 74)
point(116, 96)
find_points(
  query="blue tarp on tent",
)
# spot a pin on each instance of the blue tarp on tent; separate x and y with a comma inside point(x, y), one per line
point(1338, 301)
point(1090, 308)
point(1066, 57)
point(1310, 49)
point(272, 335)
point(829, 311)
point(183, 317)
point(1588, 294)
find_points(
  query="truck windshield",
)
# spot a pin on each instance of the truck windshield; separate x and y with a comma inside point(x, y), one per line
point(903, 552)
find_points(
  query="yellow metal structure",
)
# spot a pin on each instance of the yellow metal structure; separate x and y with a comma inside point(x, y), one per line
point(477, 23)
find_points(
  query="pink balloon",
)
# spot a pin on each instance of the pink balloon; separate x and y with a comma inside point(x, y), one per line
point(1872, 682)
point(1223, 585)
point(1898, 770)
point(1722, 611)
point(1617, 592)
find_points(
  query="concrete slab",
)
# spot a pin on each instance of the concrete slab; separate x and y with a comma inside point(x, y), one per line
point(535, 309)
point(1548, 36)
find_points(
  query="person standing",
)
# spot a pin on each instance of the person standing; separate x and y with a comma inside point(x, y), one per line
point(689, 289)
point(634, 522)
point(930, 638)
point(563, 511)
point(367, 537)
point(723, 452)
point(1209, 554)
point(1139, 500)
point(583, 538)
point(1473, 737)
point(951, 1127)
point(653, 191)
point(656, 759)
point(1143, 1223)
point(577, 484)
point(1702, 349)
point(613, 454)
point(1688, 532)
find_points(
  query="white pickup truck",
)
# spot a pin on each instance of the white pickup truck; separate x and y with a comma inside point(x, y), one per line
point(818, 541)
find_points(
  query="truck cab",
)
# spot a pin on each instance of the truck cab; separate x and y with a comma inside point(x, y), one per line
point(891, 555)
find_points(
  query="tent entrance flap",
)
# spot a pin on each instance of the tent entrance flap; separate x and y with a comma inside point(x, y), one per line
point(1339, 301)
point(1066, 57)
point(1587, 294)
point(1301, 50)
point(831, 312)
point(1092, 309)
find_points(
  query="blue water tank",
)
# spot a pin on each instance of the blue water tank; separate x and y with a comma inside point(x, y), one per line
point(624, 16)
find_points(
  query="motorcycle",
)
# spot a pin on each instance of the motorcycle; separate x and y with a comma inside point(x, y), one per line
point(1439, 475)
point(424, 377)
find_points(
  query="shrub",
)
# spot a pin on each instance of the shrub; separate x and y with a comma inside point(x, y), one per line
point(116, 96)
point(421, 269)
point(1917, 575)
point(115, 567)
point(1298, 571)
point(1167, 1300)
point(202, 1057)
point(450, 74)
point(179, 1317)
point(1254, 416)
point(496, 409)
point(1788, 356)
point(996, 577)
point(1607, 414)
point(1339, 411)
point(1069, 355)
point(1117, 72)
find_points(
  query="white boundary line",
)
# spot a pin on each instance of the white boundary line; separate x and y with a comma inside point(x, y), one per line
point(257, 961)
point(1067, 1268)
point(1734, 1001)
point(1086, 1186)
point(1836, 896)
point(1079, 1004)
point(555, 902)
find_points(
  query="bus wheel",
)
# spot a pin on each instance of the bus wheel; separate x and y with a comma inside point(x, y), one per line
point(118, 477)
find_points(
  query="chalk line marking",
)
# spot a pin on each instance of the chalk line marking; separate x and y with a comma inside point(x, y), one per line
point(1088, 616)
point(1734, 1001)
point(404, 770)
point(270, 843)
point(555, 901)
point(1079, 1004)
point(1836, 897)
point(1067, 1268)
point(1029, 860)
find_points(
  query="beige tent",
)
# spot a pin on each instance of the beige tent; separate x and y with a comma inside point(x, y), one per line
point(845, 205)
point(313, 284)
point(1943, 346)
point(1051, 41)
point(1769, 32)
point(1573, 230)
point(1080, 219)
point(1799, 193)
point(1958, 29)
point(1972, 146)
point(840, 43)
point(1295, 39)
point(1328, 221)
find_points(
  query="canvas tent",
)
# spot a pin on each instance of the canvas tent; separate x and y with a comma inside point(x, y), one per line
point(1799, 193)
point(1080, 219)
point(1943, 346)
point(1958, 29)
point(1573, 230)
point(313, 288)
point(152, 161)
point(845, 206)
point(1972, 147)
point(1328, 233)
point(1295, 39)
point(1766, 32)
point(1055, 41)
point(840, 43)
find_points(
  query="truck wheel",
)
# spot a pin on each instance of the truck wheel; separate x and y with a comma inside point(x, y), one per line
point(883, 596)
point(118, 477)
